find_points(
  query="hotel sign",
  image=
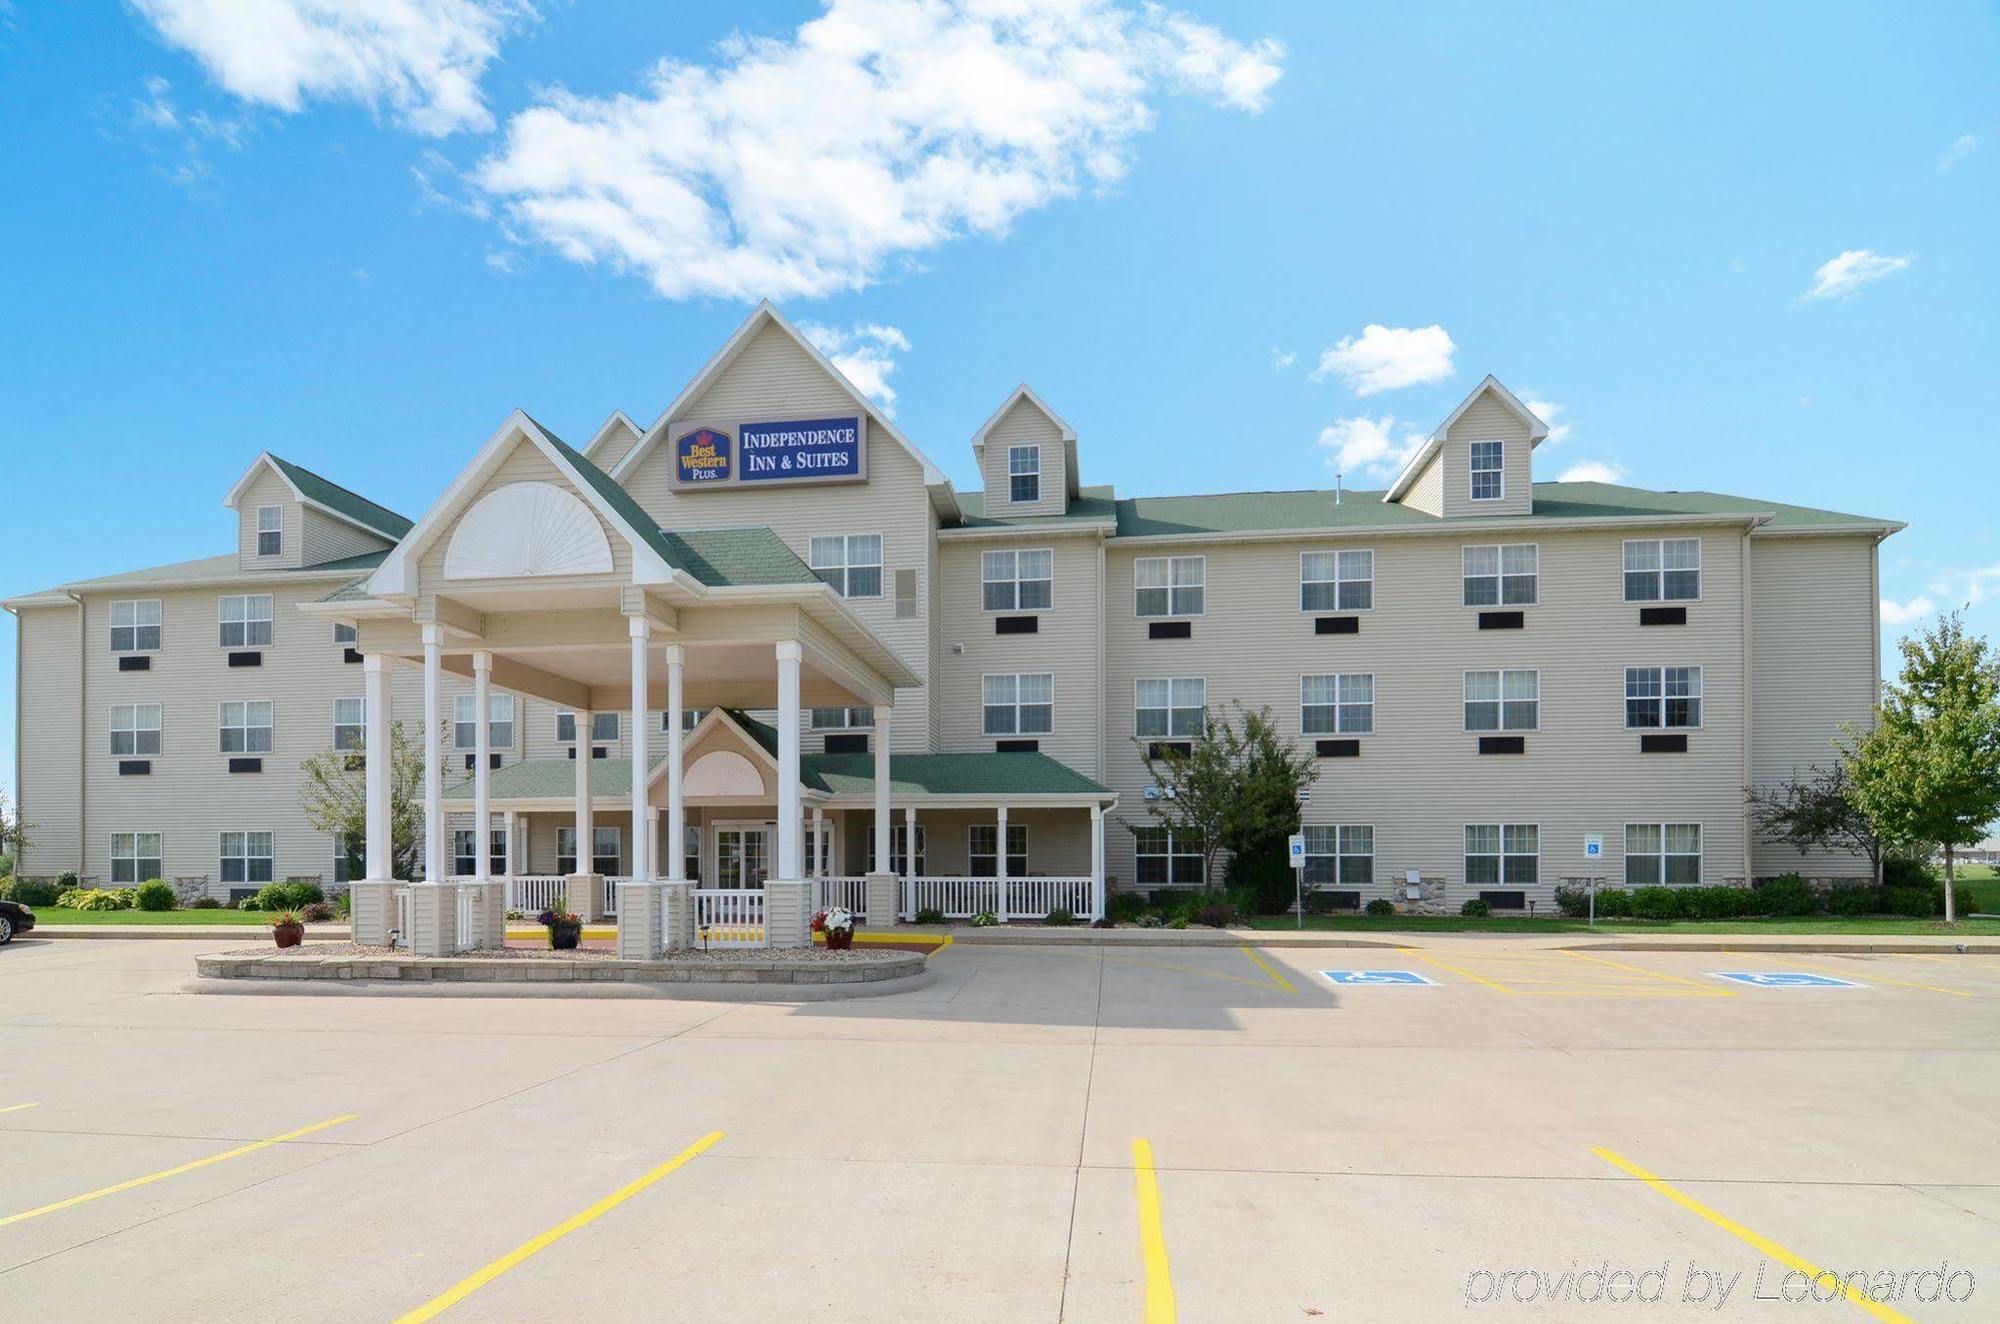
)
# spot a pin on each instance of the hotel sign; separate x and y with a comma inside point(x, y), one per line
point(809, 450)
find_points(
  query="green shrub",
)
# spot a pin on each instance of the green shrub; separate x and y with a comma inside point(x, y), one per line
point(1787, 895)
point(1217, 914)
point(1721, 902)
point(1150, 920)
point(1178, 922)
point(930, 915)
point(1908, 902)
point(154, 894)
point(204, 903)
point(1125, 907)
point(1656, 903)
point(1059, 918)
point(278, 896)
point(1477, 908)
point(1573, 901)
point(1319, 903)
point(1614, 903)
point(305, 893)
point(92, 898)
point(985, 919)
point(1965, 902)
point(317, 912)
point(1849, 901)
point(1380, 907)
point(33, 892)
point(1906, 871)
point(247, 903)
point(67, 881)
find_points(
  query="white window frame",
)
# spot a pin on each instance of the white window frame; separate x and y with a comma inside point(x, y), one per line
point(1501, 673)
point(1662, 855)
point(156, 625)
point(1336, 859)
point(1499, 575)
point(136, 855)
point(247, 856)
point(1659, 571)
point(246, 620)
point(1033, 452)
point(599, 834)
point(899, 850)
point(972, 830)
point(246, 726)
point(1341, 704)
point(1152, 831)
point(860, 718)
point(359, 726)
point(817, 549)
point(1169, 711)
point(275, 530)
point(1337, 578)
point(1170, 587)
point(345, 636)
point(986, 705)
point(1506, 880)
point(1660, 699)
point(493, 740)
point(132, 714)
point(496, 852)
point(1007, 562)
point(1473, 471)
point(617, 727)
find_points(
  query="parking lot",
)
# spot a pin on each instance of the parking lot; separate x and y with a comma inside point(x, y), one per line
point(1042, 1134)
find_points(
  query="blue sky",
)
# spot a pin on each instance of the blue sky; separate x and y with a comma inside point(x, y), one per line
point(1744, 249)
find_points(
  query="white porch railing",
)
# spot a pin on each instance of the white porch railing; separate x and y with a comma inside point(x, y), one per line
point(463, 937)
point(1027, 898)
point(611, 895)
point(400, 936)
point(847, 893)
point(533, 893)
point(729, 917)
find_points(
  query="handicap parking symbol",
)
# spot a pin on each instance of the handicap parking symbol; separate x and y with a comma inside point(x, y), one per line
point(1784, 979)
point(1364, 977)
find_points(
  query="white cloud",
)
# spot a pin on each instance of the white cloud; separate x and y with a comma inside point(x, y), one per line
point(503, 261)
point(1971, 587)
point(865, 353)
point(1383, 358)
point(1376, 447)
point(1282, 359)
point(808, 164)
point(158, 118)
point(1903, 613)
point(1546, 410)
point(1842, 276)
point(1960, 148)
point(420, 59)
point(1593, 471)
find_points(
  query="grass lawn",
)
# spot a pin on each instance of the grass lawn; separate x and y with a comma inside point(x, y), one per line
point(1557, 924)
point(61, 915)
point(1983, 881)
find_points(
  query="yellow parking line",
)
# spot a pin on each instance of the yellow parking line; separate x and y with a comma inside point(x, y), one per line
point(1445, 965)
point(1707, 990)
point(1269, 969)
point(466, 1287)
point(1160, 1308)
point(1789, 1259)
point(17, 1107)
point(1870, 976)
point(150, 1178)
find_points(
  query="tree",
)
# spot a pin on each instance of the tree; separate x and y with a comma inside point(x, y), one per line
point(1929, 771)
point(13, 835)
point(334, 798)
point(1816, 810)
point(1235, 790)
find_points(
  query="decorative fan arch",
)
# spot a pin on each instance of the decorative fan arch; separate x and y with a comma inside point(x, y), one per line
point(525, 530)
point(723, 772)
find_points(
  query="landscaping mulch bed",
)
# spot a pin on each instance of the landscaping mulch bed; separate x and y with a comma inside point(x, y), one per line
point(726, 956)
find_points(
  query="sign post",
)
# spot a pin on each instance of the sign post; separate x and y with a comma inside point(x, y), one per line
point(1593, 850)
point(1296, 843)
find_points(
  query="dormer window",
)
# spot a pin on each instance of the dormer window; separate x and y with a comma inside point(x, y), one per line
point(1489, 483)
point(1024, 473)
point(270, 530)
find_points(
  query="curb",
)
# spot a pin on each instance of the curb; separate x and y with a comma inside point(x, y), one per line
point(1809, 946)
point(184, 932)
point(689, 992)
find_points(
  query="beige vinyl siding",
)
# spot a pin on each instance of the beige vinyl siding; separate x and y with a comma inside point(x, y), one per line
point(1065, 645)
point(269, 490)
point(324, 538)
point(49, 770)
point(613, 446)
point(1058, 840)
point(773, 379)
point(1419, 779)
point(1487, 420)
point(1814, 646)
point(1025, 425)
point(524, 464)
point(1427, 492)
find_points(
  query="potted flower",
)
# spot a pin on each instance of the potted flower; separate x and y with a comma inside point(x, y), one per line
point(837, 925)
point(287, 930)
point(565, 926)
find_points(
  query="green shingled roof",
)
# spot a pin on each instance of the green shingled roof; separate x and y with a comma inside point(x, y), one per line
point(350, 505)
point(1092, 505)
point(837, 774)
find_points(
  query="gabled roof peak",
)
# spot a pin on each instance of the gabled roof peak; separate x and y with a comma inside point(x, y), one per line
point(322, 494)
point(1537, 430)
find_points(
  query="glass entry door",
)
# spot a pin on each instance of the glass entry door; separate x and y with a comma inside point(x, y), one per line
point(742, 856)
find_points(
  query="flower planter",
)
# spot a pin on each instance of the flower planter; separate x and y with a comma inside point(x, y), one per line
point(288, 935)
point(564, 937)
point(839, 940)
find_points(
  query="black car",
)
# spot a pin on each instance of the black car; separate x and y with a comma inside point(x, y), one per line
point(14, 918)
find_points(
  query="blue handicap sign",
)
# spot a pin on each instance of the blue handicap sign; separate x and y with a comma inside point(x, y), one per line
point(1785, 979)
point(1365, 977)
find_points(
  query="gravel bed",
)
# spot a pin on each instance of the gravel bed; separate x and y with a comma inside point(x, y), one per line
point(725, 956)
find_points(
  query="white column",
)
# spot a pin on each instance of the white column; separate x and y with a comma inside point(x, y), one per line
point(653, 837)
point(910, 842)
point(642, 855)
point(434, 870)
point(584, 825)
point(882, 824)
point(482, 776)
point(513, 846)
point(676, 802)
point(376, 750)
point(1000, 865)
point(819, 842)
point(1097, 860)
point(789, 852)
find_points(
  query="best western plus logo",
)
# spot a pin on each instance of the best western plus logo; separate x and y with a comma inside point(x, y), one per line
point(702, 456)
